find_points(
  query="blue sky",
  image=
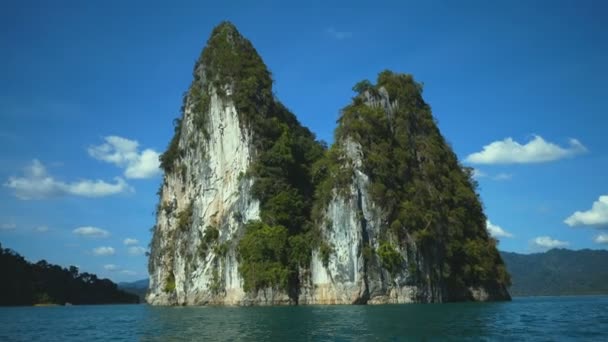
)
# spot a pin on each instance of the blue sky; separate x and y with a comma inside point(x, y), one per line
point(89, 90)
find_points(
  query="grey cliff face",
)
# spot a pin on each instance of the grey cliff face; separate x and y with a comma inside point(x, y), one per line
point(351, 276)
point(210, 179)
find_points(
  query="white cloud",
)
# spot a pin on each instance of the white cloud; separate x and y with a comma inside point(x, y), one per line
point(130, 242)
point(339, 35)
point(136, 250)
point(42, 229)
point(536, 150)
point(38, 184)
point(124, 153)
point(91, 232)
point(98, 188)
point(111, 267)
point(503, 177)
point(8, 226)
point(497, 231)
point(104, 251)
point(596, 216)
point(477, 173)
point(602, 238)
point(548, 242)
point(116, 268)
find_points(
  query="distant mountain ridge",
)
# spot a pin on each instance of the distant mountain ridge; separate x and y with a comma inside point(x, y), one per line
point(558, 272)
point(138, 284)
point(138, 288)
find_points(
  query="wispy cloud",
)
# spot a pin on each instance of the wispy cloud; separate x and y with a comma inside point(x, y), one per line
point(503, 176)
point(93, 232)
point(497, 231)
point(596, 216)
point(104, 251)
point(41, 229)
point(116, 268)
point(38, 107)
point(478, 174)
point(38, 184)
point(546, 242)
point(136, 250)
point(125, 154)
point(111, 267)
point(537, 150)
point(8, 226)
point(130, 242)
point(339, 35)
point(601, 239)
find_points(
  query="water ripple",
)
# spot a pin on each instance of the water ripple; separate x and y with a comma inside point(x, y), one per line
point(524, 319)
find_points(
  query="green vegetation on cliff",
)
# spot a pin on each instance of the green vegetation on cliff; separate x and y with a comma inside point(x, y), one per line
point(230, 67)
point(282, 168)
point(426, 199)
point(556, 272)
point(264, 252)
point(25, 283)
point(416, 178)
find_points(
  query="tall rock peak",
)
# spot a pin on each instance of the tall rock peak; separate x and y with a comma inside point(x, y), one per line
point(406, 222)
point(230, 62)
point(236, 176)
point(253, 210)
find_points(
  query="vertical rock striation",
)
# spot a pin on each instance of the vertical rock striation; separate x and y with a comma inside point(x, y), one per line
point(203, 195)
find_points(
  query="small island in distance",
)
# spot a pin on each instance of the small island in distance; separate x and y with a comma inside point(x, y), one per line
point(41, 283)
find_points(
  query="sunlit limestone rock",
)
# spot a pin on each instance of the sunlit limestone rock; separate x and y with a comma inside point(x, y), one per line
point(204, 202)
point(356, 226)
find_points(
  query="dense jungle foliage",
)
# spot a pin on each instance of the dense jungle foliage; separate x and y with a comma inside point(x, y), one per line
point(416, 177)
point(25, 283)
point(271, 249)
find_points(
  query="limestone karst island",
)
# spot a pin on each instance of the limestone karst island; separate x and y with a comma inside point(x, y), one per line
point(253, 210)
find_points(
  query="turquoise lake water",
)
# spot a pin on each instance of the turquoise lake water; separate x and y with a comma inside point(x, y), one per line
point(523, 319)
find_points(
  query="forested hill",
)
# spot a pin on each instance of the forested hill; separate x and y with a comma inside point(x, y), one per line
point(138, 288)
point(558, 272)
point(25, 283)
